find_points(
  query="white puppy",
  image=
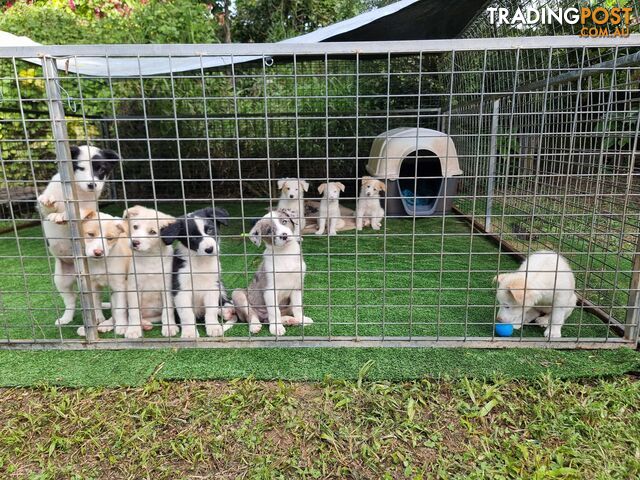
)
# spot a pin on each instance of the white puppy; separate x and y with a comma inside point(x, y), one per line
point(197, 287)
point(541, 290)
point(329, 206)
point(369, 209)
point(149, 283)
point(109, 257)
point(91, 165)
point(275, 293)
point(292, 198)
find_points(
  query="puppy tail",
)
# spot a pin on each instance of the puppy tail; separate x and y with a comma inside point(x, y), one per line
point(230, 315)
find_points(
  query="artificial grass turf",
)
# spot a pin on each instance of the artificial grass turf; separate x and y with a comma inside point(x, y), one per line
point(427, 277)
point(110, 368)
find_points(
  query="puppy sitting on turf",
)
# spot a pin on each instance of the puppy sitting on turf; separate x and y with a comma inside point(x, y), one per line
point(149, 281)
point(329, 207)
point(275, 293)
point(292, 198)
point(197, 288)
point(542, 290)
point(369, 210)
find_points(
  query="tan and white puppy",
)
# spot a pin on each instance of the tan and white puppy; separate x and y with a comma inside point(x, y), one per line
point(542, 290)
point(369, 210)
point(106, 247)
point(91, 166)
point(292, 198)
point(275, 293)
point(149, 282)
point(329, 207)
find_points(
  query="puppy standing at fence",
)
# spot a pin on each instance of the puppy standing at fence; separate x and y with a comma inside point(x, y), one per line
point(369, 210)
point(197, 287)
point(109, 258)
point(275, 293)
point(329, 207)
point(149, 282)
point(292, 198)
point(542, 290)
point(91, 166)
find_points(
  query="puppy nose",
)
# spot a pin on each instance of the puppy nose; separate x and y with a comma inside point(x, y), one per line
point(291, 195)
point(208, 250)
point(135, 243)
point(91, 186)
point(284, 236)
point(98, 252)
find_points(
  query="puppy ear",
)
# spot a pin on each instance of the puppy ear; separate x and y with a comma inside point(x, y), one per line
point(521, 292)
point(75, 151)
point(281, 183)
point(171, 232)
point(383, 186)
point(110, 154)
point(366, 178)
point(88, 214)
point(220, 215)
point(131, 212)
point(305, 185)
point(322, 187)
point(255, 234)
point(122, 227)
point(340, 186)
point(164, 220)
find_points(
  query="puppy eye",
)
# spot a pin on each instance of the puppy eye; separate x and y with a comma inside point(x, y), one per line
point(135, 227)
point(284, 221)
point(109, 239)
point(152, 232)
point(81, 169)
point(90, 235)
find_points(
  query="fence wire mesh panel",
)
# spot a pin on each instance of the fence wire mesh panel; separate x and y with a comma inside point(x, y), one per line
point(329, 194)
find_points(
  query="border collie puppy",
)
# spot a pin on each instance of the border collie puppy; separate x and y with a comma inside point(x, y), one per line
point(91, 166)
point(149, 282)
point(329, 207)
point(292, 198)
point(197, 288)
point(369, 210)
point(542, 290)
point(275, 293)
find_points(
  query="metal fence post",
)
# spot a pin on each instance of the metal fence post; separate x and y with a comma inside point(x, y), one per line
point(65, 167)
point(632, 329)
point(493, 153)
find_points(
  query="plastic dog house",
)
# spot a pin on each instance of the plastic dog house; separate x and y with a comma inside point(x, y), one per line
point(419, 167)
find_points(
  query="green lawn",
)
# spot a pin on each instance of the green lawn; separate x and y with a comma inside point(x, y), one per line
point(437, 282)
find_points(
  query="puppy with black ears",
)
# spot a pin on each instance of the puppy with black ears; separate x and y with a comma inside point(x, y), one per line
point(275, 293)
point(91, 166)
point(197, 288)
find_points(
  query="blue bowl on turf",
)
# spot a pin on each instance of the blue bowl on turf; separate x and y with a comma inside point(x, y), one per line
point(504, 329)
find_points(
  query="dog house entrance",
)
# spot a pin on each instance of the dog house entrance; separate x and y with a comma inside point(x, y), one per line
point(420, 181)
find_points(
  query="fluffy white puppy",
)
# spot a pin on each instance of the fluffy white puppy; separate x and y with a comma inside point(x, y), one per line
point(369, 210)
point(149, 282)
point(292, 198)
point(329, 207)
point(542, 290)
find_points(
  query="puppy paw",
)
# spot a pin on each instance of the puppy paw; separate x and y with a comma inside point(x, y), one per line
point(289, 321)
point(228, 312)
point(80, 331)
point(553, 332)
point(307, 321)
point(170, 330)
point(277, 330)
point(214, 330)
point(189, 332)
point(319, 232)
point(59, 218)
point(543, 321)
point(63, 320)
point(133, 332)
point(333, 234)
point(107, 326)
point(255, 327)
point(47, 201)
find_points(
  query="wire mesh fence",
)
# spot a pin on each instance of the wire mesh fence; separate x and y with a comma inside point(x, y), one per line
point(457, 162)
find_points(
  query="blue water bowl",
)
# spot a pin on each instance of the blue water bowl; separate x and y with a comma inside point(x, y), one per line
point(504, 329)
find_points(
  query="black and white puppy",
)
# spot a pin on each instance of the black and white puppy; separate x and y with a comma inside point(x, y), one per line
point(196, 284)
point(91, 166)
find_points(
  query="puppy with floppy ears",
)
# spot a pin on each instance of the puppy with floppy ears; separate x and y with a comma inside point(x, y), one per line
point(542, 290)
point(292, 198)
point(109, 257)
point(197, 288)
point(91, 166)
point(149, 281)
point(275, 293)
point(329, 206)
point(369, 209)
